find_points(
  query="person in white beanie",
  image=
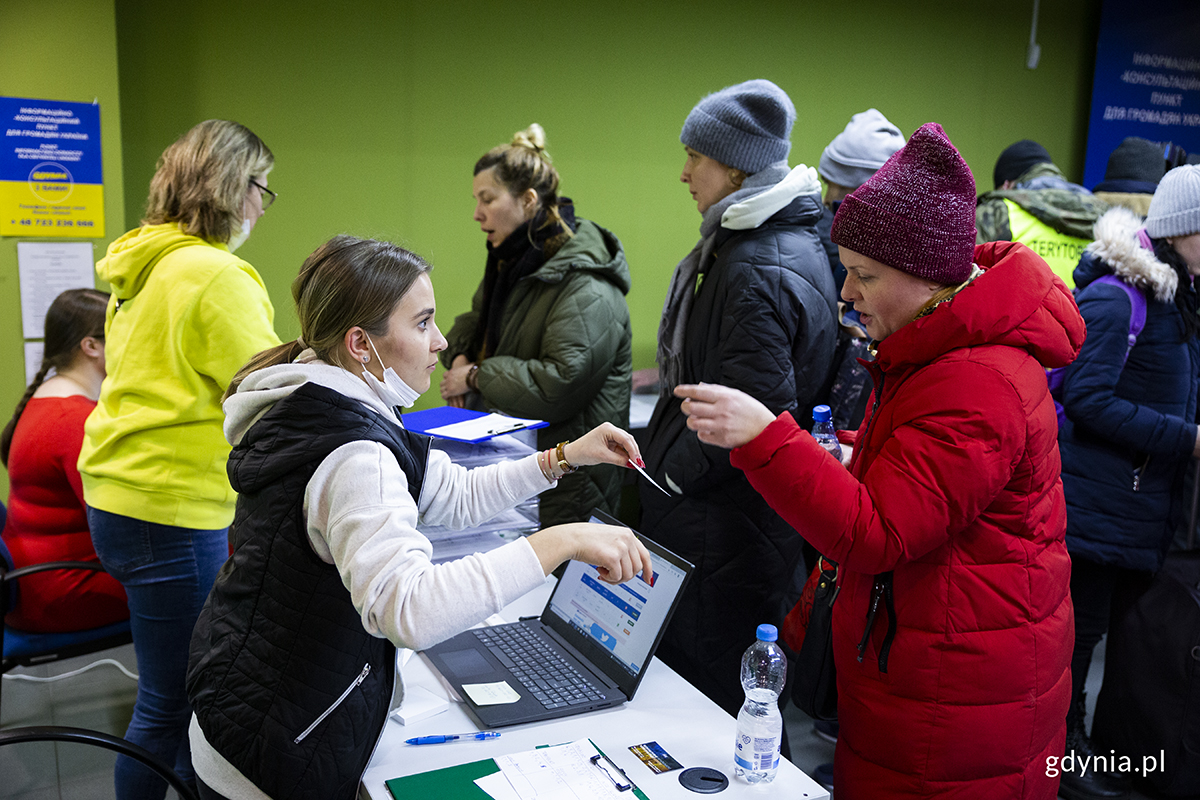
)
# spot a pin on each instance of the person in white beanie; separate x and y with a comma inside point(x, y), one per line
point(848, 162)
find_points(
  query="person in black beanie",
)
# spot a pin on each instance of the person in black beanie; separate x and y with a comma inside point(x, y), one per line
point(1134, 170)
point(1034, 204)
point(763, 318)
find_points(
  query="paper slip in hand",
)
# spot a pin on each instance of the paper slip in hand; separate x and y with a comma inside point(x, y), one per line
point(491, 694)
point(646, 475)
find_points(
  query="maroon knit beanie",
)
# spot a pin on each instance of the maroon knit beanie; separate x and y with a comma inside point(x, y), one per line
point(917, 213)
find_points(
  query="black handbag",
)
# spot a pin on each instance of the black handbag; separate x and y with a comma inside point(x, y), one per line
point(814, 688)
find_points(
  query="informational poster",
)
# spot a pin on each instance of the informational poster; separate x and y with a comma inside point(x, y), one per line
point(1147, 79)
point(47, 269)
point(51, 175)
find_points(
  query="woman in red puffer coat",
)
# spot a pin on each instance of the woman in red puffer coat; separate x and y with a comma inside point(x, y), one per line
point(953, 629)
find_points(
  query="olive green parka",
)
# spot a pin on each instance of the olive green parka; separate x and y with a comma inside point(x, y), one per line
point(564, 356)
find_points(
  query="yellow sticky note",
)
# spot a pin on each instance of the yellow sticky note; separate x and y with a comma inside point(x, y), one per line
point(491, 694)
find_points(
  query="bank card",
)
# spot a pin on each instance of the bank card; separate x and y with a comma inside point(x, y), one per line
point(654, 757)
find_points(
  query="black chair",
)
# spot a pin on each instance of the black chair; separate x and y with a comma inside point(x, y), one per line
point(55, 733)
point(25, 649)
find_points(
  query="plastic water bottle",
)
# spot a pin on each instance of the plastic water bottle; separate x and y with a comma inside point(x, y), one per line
point(824, 433)
point(759, 723)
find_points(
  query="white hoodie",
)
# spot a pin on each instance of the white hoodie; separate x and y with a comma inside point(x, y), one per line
point(362, 519)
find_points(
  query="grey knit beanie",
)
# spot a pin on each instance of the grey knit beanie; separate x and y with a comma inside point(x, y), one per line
point(1175, 207)
point(747, 126)
point(858, 152)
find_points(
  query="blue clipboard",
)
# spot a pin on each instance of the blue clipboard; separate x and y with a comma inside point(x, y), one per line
point(432, 418)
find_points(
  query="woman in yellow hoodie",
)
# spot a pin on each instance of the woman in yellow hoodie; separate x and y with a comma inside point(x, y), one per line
point(185, 315)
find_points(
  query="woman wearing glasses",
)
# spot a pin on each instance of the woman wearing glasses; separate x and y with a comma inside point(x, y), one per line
point(185, 315)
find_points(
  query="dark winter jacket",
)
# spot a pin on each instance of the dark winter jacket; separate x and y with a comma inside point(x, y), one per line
point(286, 684)
point(959, 685)
point(1130, 430)
point(564, 356)
point(764, 321)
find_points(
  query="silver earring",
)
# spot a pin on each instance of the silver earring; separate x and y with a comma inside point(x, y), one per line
point(366, 359)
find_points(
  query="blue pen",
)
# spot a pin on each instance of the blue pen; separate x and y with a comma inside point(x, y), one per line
point(453, 737)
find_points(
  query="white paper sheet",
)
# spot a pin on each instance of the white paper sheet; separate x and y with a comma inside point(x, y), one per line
point(46, 270)
point(480, 427)
point(497, 786)
point(33, 360)
point(562, 772)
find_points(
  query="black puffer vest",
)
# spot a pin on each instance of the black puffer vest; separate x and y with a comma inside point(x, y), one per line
point(286, 683)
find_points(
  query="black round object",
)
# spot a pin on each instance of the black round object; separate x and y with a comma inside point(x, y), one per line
point(704, 780)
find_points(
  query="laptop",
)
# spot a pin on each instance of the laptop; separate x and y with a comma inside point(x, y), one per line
point(590, 648)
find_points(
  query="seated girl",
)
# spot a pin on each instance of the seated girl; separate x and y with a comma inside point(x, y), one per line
point(292, 666)
point(47, 520)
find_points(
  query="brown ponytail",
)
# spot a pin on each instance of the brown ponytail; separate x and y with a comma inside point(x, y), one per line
point(74, 315)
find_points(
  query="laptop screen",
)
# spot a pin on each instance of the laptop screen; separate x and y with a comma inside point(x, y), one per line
point(624, 621)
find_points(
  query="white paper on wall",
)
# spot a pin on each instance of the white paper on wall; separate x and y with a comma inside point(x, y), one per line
point(46, 270)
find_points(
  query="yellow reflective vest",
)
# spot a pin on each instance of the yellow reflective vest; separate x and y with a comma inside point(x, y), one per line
point(1060, 251)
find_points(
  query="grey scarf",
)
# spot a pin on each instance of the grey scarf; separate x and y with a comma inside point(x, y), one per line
point(682, 292)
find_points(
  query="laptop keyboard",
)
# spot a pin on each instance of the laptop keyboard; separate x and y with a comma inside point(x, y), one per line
point(541, 670)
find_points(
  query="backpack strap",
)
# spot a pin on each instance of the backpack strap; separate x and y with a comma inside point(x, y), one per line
point(1137, 303)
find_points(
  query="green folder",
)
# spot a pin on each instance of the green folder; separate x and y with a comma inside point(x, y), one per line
point(449, 783)
point(455, 783)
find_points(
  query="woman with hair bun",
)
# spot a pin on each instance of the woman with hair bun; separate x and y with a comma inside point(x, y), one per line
point(185, 315)
point(293, 658)
point(47, 520)
point(548, 334)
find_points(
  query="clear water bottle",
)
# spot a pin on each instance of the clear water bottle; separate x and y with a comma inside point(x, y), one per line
point(824, 433)
point(759, 723)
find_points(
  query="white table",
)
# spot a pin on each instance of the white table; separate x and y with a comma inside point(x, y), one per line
point(666, 709)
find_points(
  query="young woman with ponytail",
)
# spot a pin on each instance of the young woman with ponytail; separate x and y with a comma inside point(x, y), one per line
point(293, 658)
point(548, 334)
point(47, 520)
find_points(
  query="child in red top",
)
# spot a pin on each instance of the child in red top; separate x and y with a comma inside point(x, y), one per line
point(40, 446)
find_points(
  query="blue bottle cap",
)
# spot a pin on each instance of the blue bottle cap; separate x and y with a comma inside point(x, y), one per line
point(767, 633)
point(822, 414)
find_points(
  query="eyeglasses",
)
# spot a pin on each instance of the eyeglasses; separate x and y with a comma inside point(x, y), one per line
point(268, 197)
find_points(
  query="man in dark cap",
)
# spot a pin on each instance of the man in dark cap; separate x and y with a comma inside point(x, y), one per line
point(1034, 204)
point(1134, 170)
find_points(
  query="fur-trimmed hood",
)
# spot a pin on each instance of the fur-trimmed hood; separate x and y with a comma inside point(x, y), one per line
point(1116, 249)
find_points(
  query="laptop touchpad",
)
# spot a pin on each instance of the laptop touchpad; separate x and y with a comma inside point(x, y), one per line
point(465, 663)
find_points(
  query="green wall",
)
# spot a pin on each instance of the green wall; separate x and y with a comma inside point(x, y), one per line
point(376, 111)
point(56, 50)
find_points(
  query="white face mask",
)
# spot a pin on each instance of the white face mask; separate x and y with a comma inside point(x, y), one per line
point(392, 391)
point(239, 237)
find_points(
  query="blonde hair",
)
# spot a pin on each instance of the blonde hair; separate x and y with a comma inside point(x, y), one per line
point(346, 282)
point(201, 180)
point(524, 164)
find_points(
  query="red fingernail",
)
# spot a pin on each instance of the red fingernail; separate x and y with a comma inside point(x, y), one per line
point(641, 463)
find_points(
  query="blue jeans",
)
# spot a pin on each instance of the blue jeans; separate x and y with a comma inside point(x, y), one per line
point(167, 573)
